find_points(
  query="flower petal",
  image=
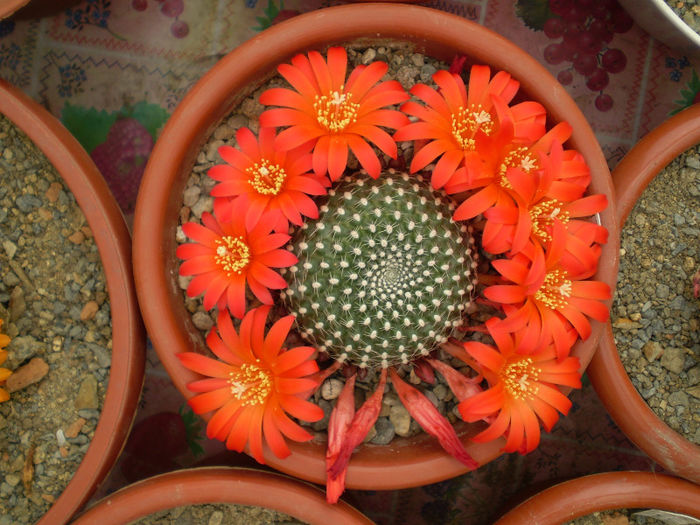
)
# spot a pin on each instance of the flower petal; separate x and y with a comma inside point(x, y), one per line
point(276, 336)
point(361, 424)
point(204, 365)
point(427, 416)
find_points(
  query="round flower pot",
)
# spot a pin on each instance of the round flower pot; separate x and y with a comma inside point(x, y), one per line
point(8, 7)
point(113, 242)
point(220, 485)
point(405, 462)
point(607, 491)
point(607, 374)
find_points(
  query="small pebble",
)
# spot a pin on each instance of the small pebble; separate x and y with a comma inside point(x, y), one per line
point(202, 321)
point(400, 419)
point(331, 388)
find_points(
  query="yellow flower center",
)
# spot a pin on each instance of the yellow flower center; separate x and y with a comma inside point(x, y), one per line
point(250, 384)
point(516, 158)
point(544, 214)
point(232, 254)
point(519, 158)
point(555, 290)
point(266, 178)
point(335, 111)
point(467, 122)
point(520, 379)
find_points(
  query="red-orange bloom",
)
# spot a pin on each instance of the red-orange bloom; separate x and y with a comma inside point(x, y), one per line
point(522, 388)
point(460, 123)
point(538, 198)
point(506, 229)
point(265, 179)
point(254, 384)
point(333, 113)
point(547, 300)
point(513, 174)
point(226, 255)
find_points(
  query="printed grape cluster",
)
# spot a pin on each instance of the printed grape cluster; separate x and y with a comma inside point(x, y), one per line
point(583, 30)
point(171, 9)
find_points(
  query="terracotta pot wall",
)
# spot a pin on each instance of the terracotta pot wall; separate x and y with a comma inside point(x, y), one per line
point(114, 245)
point(413, 461)
point(8, 7)
point(220, 485)
point(607, 491)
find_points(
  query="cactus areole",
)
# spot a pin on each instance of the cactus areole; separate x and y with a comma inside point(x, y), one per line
point(384, 274)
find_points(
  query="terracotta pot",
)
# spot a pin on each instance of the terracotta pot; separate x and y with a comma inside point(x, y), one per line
point(609, 378)
point(8, 7)
point(406, 462)
point(113, 242)
point(607, 491)
point(221, 485)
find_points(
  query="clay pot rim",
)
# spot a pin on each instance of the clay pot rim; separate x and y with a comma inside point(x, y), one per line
point(215, 94)
point(608, 376)
point(242, 486)
point(114, 245)
point(606, 491)
point(8, 7)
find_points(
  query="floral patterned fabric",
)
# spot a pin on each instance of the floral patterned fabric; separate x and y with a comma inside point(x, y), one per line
point(113, 71)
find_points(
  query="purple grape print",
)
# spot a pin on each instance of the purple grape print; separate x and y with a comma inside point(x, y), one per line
point(580, 32)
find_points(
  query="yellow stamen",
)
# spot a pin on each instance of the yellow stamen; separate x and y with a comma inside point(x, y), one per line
point(519, 158)
point(555, 290)
point(467, 122)
point(266, 178)
point(543, 215)
point(232, 254)
point(250, 384)
point(336, 110)
point(520, 379)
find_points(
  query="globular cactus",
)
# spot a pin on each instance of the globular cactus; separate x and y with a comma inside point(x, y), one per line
point(384, 275)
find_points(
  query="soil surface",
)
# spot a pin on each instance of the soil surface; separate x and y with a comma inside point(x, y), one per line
point(656, 318)
point(631, 517)
point(54, 304)
point(688, 11)
point(219, 514)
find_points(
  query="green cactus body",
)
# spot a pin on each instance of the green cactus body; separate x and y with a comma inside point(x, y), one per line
point(384, 274)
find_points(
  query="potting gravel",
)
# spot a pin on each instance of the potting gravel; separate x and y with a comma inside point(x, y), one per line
point(656, 318)
point(218, 514)
point(54, 304)
point(628, 517)
point(688, 11)
point(408, 68)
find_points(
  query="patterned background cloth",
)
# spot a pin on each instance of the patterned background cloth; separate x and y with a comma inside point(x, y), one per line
point(113, 72)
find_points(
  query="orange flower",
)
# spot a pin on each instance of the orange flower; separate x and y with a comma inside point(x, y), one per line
point(264, 179)
point(536, 198)
point(515, 174)
point(522, 388)
point(254, 385)
point(333, 113)
point(506, 229)
point(4, 372)
point(226, 255)
point(547, 299)
point(462, 122)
